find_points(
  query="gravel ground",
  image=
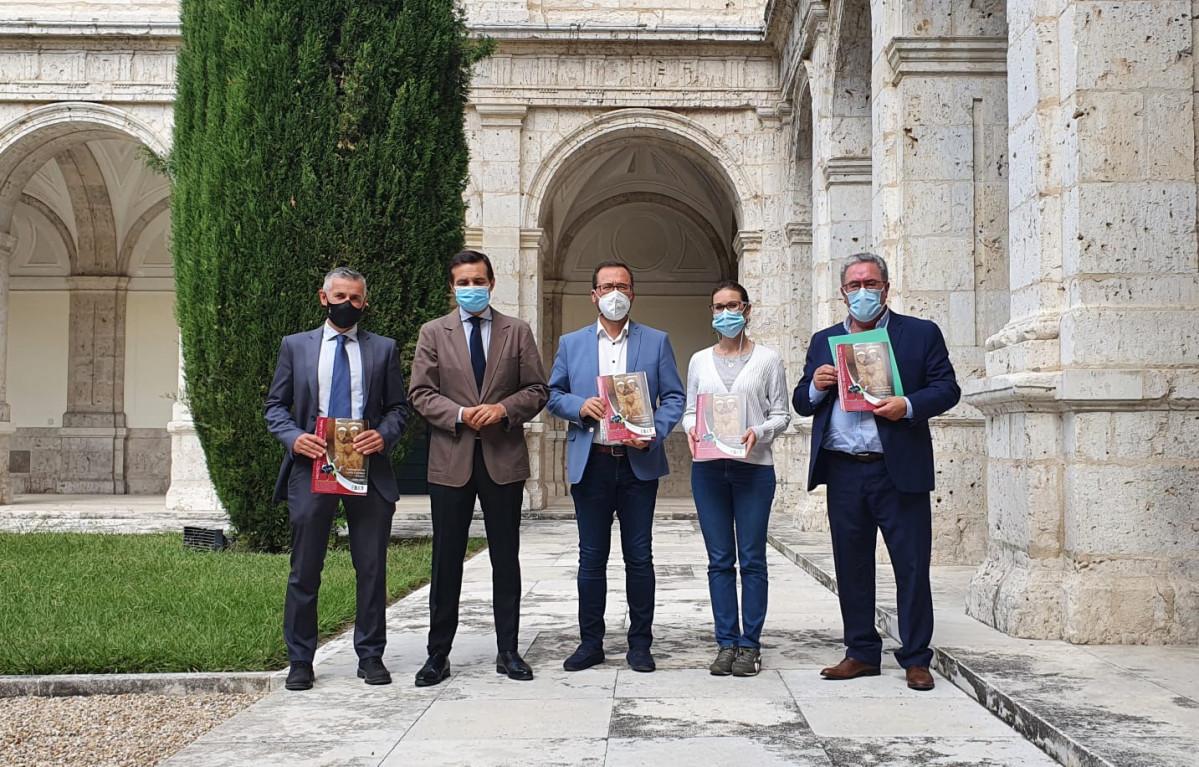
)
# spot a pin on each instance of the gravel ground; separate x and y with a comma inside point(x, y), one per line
point(108, 730)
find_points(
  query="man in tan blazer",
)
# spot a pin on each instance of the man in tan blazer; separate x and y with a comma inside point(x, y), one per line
point(476, 378)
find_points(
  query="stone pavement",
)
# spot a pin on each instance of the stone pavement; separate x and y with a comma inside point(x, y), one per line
point(610, 715)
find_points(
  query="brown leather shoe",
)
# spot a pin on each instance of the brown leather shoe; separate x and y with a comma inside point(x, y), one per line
point(919, 678)
point(849, 668)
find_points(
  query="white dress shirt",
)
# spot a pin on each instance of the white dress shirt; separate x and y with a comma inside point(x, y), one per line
point(324, 369)
point(613, 360)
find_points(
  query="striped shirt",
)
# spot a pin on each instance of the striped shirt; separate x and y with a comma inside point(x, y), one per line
point(763, 381)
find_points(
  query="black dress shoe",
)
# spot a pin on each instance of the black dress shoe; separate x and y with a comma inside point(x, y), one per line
point(301, 676)
point(373, 671)
point(584, 657)
point(435, 671)
point(639, 659)
point(509, 662)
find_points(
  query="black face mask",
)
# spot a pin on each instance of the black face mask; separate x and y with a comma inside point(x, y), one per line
point(344, 315)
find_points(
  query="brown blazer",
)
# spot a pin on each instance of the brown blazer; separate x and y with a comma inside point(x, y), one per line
point(443, 381)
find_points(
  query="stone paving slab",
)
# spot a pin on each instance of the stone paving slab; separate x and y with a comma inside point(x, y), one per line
point(610, 715)
point(1091, 706)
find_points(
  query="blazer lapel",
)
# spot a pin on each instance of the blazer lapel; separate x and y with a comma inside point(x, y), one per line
point(633, 355)
point(315, 338)
point(501, 328)
point(459, 362)
point(366, 350)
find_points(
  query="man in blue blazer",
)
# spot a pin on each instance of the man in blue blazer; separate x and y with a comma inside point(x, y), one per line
point(879, 471)
point(607, 477)
point(337, 371)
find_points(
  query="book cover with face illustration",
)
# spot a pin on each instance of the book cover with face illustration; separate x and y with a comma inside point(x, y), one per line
point(629, 412)
point(343, 471)
point(866, 369)
point(719, 426)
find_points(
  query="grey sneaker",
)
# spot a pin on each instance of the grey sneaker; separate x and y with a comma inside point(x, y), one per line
point(748, 662)
point(723, 665)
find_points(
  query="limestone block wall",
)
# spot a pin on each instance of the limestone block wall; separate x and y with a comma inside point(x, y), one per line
point(619, 13)
point(93, 10)
point(37, 463)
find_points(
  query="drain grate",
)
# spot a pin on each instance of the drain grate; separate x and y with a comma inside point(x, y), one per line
point(202, 539)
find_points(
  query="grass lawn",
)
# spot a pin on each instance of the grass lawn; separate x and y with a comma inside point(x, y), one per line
point(78, 603)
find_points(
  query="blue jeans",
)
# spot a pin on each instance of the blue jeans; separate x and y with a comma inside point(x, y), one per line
point(733, 500)
point(609, 486)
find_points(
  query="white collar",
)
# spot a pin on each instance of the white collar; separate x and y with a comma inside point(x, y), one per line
point(600, 331)
point(351, 334)
point(465, 315)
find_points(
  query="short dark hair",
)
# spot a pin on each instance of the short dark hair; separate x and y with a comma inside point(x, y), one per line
point(731, 285)
point(471, 257)
point(610, 265)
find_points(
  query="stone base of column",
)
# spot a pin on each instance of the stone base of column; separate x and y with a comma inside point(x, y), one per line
point(959, 502)
point(6, 431)
point(191, 488)
point(93, 461)
point(1017, 596)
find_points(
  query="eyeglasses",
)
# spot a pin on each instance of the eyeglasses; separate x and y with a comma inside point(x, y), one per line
point(854, 287)
point(608, 287)
point(732, 306)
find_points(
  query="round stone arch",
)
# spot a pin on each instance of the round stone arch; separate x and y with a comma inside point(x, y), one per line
point(687, 136)
point(31, 140)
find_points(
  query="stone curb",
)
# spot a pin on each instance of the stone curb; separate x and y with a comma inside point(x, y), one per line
point(1034, 728)
point(55, 685)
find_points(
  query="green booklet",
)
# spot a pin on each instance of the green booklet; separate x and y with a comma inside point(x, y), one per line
point(866, 369)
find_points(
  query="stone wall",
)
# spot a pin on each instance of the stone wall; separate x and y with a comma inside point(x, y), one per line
point(36, 462)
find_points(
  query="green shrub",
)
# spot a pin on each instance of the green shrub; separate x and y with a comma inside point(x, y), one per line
point(308, 134)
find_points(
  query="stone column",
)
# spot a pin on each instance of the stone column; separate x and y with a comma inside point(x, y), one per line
point(8, 243)
point(940, 212)
point(1092, 387)
point(93, 427)
point(499, 192)
point(191, 488)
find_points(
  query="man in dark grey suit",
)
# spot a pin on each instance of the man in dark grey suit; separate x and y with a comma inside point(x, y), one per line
point(337, 371)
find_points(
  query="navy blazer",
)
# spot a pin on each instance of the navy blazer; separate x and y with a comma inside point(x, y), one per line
point(572, 382)
point(293, 402)
point(929, 383)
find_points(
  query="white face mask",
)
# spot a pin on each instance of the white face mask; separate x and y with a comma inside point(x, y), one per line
point(615, 305)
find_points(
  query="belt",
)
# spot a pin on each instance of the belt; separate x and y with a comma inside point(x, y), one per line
point(613, 450)
point(859, 457)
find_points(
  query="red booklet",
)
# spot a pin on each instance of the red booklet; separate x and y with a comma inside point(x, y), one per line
point(343, 470)
point(629, 412)
point(866, 369)
point(719, 425)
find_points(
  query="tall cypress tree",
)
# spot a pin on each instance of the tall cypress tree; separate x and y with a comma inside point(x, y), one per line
point(308, 134)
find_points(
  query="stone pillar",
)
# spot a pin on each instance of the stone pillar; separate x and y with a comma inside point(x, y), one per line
point(499, 192)
point(191, 488)
point(940, 208)
point(8, 243)
point(93, 427)
point(1092, 387)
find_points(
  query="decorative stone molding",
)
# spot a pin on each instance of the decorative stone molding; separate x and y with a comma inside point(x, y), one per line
point(1083, 390)
point(747, 244)
point(1042, 327)
point(501, 115)
point(847, 170)
point(473, 238)
point(799, 233)
point(559, 34)
point(946, 57)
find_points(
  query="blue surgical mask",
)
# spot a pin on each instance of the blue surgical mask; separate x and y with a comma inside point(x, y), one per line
point(865, 305)
point(473, 298)
point(729, 324)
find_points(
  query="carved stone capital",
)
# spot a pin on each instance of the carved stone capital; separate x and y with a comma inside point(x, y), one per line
point(847, 170)
point(502, 115)
point(799, 233)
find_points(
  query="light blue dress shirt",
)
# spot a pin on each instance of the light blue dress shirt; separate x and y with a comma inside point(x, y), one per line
point(484, 328)
point(852, 432)
point(324, 370)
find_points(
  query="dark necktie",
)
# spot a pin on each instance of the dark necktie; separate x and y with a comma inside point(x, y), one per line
point(341, 403)
point(478, 360)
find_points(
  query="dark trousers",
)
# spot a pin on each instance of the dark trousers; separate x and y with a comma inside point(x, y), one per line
point(733, 501)
point(609, 487)
point(862, 500)
point(452, 509)
point(369, 518)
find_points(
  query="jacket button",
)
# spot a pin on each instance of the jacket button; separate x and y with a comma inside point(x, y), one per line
point(591, 430)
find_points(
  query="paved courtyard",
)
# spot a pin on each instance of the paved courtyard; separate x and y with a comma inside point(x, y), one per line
point(610, 715)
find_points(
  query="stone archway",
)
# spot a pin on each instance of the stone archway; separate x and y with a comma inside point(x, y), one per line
point(638, 191)
point(83, 227)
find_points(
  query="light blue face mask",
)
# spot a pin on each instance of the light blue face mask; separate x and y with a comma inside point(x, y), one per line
point(865, 305)
point(473, 298)
point(729, 324)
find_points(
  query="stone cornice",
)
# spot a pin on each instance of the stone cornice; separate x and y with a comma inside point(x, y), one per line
point(799, 233)
point(946, 56)
point(501, 115)
point(847, 170)
point(1081, 390)
point(75, 30)
point(559, 34)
